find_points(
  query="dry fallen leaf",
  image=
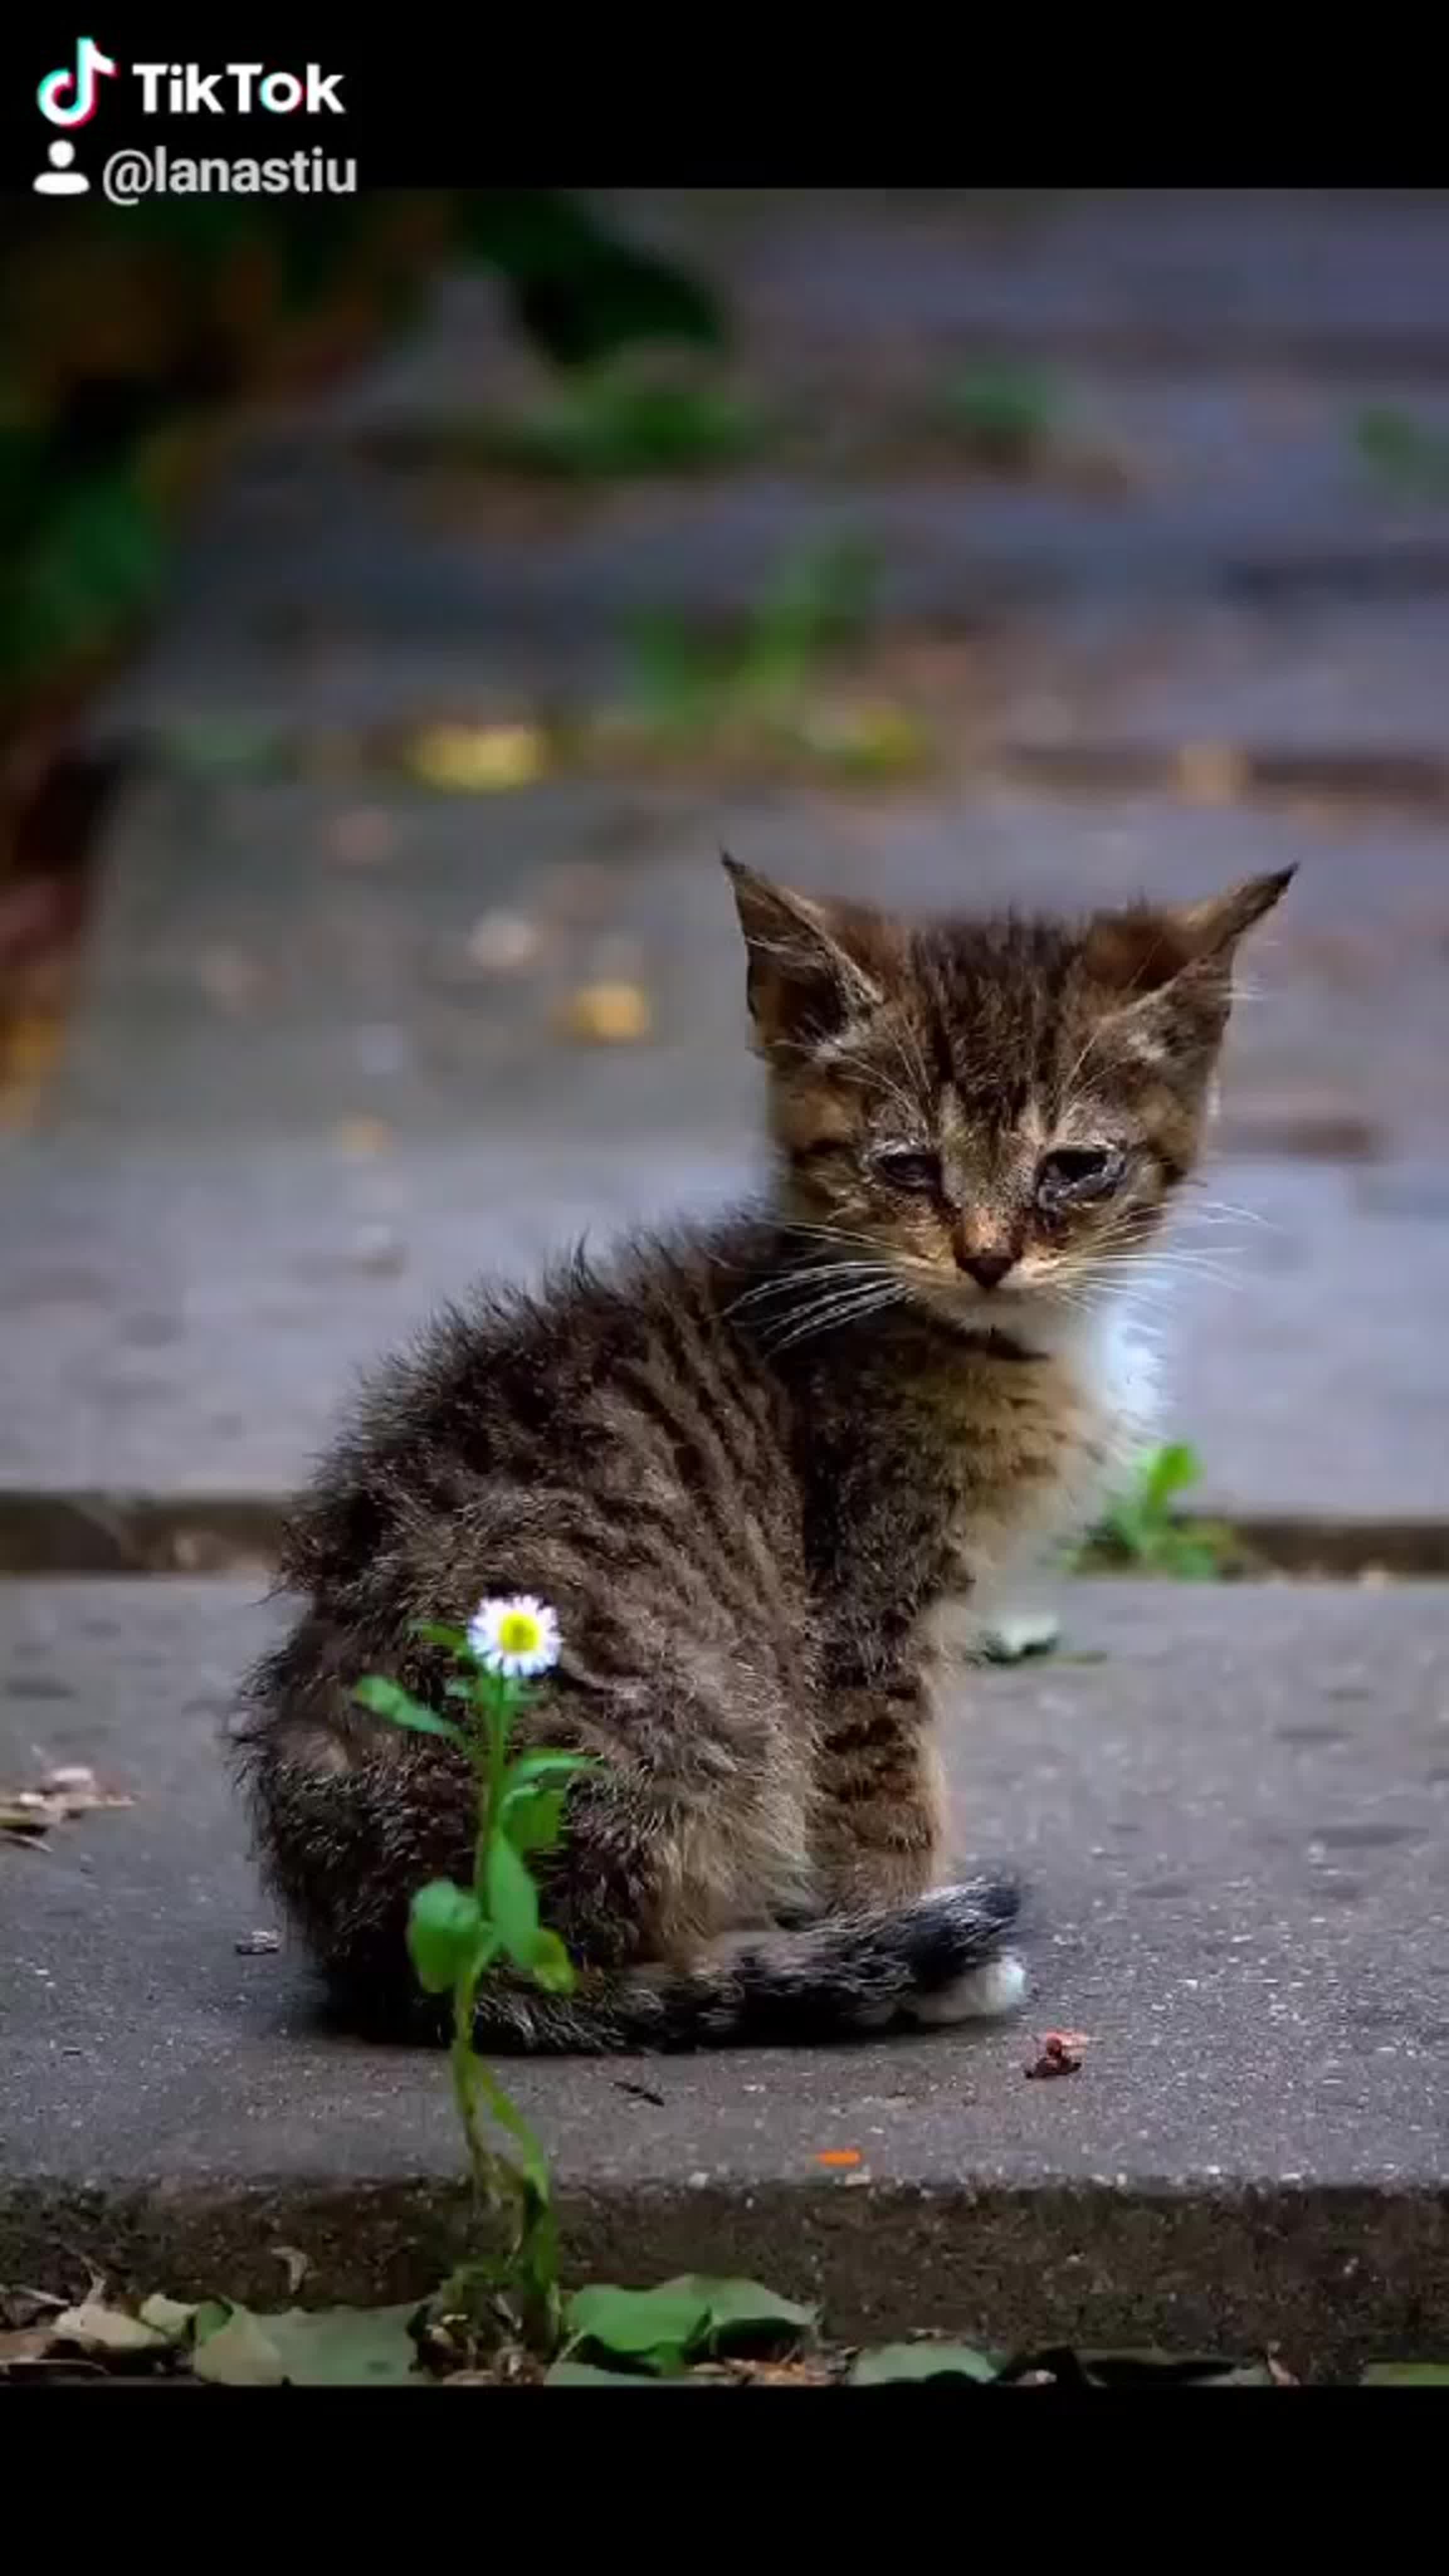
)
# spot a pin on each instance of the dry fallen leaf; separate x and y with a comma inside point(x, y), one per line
point(361, 1137)
point(608, 1014)
point(71, 1791)
point(93, 2327)
point(298, 2266)
point(477, 758)
point(1211, 773)
point(30, 2343)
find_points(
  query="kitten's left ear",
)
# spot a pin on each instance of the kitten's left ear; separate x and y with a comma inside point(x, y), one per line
point(1214, 927)
point(1167, 970)
point(1146, 947)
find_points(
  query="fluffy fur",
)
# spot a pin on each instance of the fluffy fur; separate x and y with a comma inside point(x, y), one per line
point(756, 1468)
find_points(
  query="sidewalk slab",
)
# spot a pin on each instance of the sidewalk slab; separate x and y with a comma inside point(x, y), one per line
point(250, 976)
point(187, 1320)
point(294, 1118)
point(1236, 1829)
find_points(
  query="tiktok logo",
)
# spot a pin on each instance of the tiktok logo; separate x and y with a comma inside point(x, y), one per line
point(69, 97)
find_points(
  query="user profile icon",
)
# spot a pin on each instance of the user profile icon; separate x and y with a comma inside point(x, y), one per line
point(60, 180)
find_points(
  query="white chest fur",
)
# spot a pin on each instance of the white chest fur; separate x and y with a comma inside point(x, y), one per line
point(1098, 1404)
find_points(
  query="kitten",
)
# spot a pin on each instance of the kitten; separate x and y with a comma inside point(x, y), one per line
point(752, 1467)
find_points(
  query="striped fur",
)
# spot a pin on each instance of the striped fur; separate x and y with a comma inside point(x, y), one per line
point(750, 1465)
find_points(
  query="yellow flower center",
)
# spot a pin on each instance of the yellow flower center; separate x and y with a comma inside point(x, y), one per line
point(518, 1634)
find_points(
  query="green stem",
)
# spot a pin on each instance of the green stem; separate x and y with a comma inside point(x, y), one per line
point(482, 2165)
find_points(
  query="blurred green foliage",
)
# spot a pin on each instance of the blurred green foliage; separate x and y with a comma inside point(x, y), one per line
point(607, 422)
point(1005, 418)
point(820, 600)
point(123, 336)
point(1400, 449)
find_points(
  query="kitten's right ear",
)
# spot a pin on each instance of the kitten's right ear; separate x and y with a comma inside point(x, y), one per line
point(813, 965)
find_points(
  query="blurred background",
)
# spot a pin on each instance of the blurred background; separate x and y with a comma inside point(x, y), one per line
point(402, 602)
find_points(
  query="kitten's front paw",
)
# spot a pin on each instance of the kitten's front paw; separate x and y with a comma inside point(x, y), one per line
point(987, 1993)
point(1018, 1633)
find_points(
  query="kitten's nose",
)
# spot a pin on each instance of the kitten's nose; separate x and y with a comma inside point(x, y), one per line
point(988, 1269)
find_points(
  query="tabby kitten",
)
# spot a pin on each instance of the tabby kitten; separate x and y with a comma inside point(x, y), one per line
point(752, 1466)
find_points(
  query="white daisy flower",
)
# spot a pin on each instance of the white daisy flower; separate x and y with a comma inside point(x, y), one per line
point(516, 1638)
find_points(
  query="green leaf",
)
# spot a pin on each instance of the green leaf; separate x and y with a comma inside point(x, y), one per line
point(388, 1699)
point(169, 2316)
point(531, 1767)
point(443, 1929)
point(893, 2362)
point(533, 1818)
point(742, 2315)
point(239, 2354)
point(321, 2348)
point(1406, 2374)
point(685, 2319)
point(1171, 1472)
point(655, 2328)
point(553, 1969)
point(455, 1639)
point(512, 1901)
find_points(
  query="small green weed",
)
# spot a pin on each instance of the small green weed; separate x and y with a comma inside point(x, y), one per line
point(616, 422)
point(1405, 451)
point(456, 1934)
point(1144, 1531)
point(1006, 419)
point(690, 679)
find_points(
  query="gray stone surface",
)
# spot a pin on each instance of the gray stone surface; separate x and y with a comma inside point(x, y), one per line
point(277, 984)
point(1338, 279)
point(197, 1259)
point(282, 975)
point(186, 1320)
point(1236, 1827)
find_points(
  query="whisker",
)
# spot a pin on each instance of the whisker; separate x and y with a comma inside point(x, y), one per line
point(849, 1306)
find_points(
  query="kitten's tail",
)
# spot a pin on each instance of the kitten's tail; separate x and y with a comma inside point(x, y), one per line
point(940, 1958)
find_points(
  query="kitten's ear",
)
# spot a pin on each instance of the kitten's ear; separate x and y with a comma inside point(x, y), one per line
point(1143, 948)
point(1213, 928)
point(1167, 970)
point(813, 965)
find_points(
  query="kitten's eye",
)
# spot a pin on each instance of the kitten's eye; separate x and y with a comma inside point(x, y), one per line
point(1076, 1173)
point(907, 1169)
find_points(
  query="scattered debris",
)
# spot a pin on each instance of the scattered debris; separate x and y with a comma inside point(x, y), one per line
point(257, 1945)
point(1060, 2053)
point(298, 2266)
point(361, 1138)
point(1211, 773)
point(71, 1791)
point(838, 2156)
point(504, 943)
point(608, 1014)
point(228, 978)
point(692, 2330)
point(94, 2328)
point(476, 759)
point(362, 838)
point(641, 2092)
